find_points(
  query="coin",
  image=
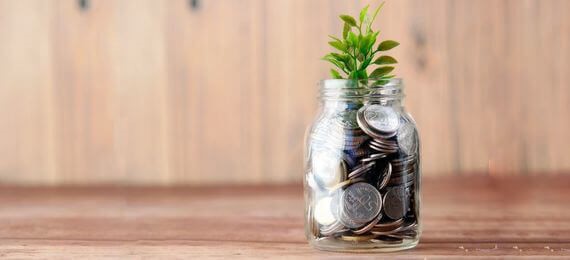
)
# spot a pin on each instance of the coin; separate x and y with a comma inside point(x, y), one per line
point(346, 183)
point(395, 203)
point(407, 138)
point(387, 240)
point(328, 168)
point(336, 227)
point(374, 157)
point(347, 119)
point(386, 177)
point(360, 203)
point(382, 148)
point(388, 226)
point(402, 179)
point(369, 226)
point(357, 238)
point(386, 143)
point(323, 213)
point(360, 170)
point(381, 118)
point(402, 162)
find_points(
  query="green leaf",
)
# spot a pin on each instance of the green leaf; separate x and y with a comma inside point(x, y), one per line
point(350, 65)
point(366, 62)
point(384, 60)
point(352, 39)
point(332, 60)
point(349, 20)
point(335, 74)
point(364, 46)
point(338, 45)
point(345, 30)
point(379, 72)
point(361, 74)
point(363, 13)
point(335, 38)
point(340, 57)
point(387, 45)
point(372, 39)
point(375, 14)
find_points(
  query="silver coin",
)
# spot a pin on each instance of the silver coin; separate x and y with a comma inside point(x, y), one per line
point(361, 203)
point(328, 168)
point(394, 181)
point(382, 118)
point(368, 226)
point(360, 170)
point(323, 211)
point(374, 157)
point(386, 177)
point(407, 138)
point(395, 203)
point(384, 142)
point(347, 119)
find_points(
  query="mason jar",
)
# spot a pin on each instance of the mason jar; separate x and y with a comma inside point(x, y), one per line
point(362, 169)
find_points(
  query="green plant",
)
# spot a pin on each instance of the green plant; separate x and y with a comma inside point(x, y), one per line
point(357, 52)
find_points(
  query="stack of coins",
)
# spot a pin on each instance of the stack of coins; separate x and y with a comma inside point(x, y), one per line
point(365, 166)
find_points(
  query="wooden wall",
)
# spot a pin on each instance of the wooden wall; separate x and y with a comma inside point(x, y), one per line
point(167, 92)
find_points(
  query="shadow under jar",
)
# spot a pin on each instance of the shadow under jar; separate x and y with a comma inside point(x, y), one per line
point(362, 169)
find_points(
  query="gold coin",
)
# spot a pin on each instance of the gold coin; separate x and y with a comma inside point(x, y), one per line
point(357, 238)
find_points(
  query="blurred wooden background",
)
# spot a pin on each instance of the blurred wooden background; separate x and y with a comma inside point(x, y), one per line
point(210, 91)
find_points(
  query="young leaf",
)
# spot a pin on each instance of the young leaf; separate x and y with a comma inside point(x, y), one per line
point(375, 14)
point(350, 65)
point(364, 46)
point(356, 49)
point(379, 72)
point(383, 60)
point(349, 20)
point(352, 39)
point(338, 45)
point(332, 60)
point(334, 38)
point(387, 45)
point(361, 74)
point(335, 74)
point(366, 62)
point(345, 30)
point(340, 57)
point(363, 13)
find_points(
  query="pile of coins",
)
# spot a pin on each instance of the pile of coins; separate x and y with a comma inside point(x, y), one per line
point(364, 175)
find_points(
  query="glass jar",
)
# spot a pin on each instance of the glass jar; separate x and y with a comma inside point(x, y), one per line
point(362, 169)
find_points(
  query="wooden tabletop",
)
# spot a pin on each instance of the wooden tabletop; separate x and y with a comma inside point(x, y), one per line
point(462, 216)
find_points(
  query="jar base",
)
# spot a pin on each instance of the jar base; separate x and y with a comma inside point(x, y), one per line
point(337, 245)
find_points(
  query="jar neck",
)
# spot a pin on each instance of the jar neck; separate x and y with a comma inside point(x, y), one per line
point(347, 94)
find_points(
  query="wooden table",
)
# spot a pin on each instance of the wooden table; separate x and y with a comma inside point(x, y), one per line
point(463, 217)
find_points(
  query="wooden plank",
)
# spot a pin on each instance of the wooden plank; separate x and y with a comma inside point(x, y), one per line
point(27, 145)
point(215, 92)
point(110, 97)
point(462, 217)
point(84, 94)
point(139, 110)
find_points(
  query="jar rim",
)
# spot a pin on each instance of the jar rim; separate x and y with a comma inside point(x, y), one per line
point(341, 84)
point(343, 89)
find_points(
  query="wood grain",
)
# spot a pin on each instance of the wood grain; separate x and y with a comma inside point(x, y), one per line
point(161, 92)
point(470, 216)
